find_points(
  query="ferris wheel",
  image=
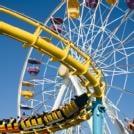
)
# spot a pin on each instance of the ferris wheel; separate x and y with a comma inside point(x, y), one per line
point(77, 77)
point(104, 30)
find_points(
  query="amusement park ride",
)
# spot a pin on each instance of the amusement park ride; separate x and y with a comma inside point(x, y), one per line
point(71, 68)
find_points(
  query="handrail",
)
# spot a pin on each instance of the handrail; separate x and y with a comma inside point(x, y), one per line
point(50, 49)
point(37, 24)
point(34, 40)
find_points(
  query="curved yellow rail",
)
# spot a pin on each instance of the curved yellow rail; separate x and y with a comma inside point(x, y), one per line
point(66, 116)
point(92, 76)
point(47, 47)
point(50, 49)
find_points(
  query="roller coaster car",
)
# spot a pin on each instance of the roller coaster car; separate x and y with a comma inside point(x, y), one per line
point(28, 123)
point(10, 124)
point(40, 121)
point(2, 127)
point(27, 94)
point(56, 116)
point(59, 114)
point(16, 126)
point(73, 9)
point(49, 117)
point(23, 125)
point(81, 101)
point(111, 2)
point(53, 117)
point(34, 121)
point(7, 125)
point(13, 127)
point(75, 105)
point(68, 110)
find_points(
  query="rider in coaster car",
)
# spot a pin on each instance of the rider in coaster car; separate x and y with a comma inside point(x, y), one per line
point(81, 100)
point(131, 125)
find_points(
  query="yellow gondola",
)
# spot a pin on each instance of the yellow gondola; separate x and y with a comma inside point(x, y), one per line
point(73, 9)
point(27, 94)
point(27, 84)
point(111, 2)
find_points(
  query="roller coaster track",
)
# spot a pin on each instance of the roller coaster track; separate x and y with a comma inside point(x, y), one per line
point(90, 75)
point(69, 115)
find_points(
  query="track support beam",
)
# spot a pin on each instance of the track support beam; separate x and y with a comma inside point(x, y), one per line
point(98, 117)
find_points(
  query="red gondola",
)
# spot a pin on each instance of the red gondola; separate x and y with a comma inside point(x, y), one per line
point(130, 4)
point(91, 3)
point(33, 70)
point(57, 21)
point(56, 28)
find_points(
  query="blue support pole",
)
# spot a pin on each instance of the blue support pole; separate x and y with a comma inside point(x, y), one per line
point(98, 117)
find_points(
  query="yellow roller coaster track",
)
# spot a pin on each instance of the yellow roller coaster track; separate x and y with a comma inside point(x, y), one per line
point(62, 55)
point(89, 74)
point(71, 114)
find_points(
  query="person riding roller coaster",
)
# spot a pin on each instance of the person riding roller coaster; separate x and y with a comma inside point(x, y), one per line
point(131, 126)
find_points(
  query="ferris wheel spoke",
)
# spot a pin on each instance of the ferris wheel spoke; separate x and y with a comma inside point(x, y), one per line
point(105, 36)
point(96, 35)
point(116, 62)
point(121, 45)
point(106, 127)
point(80, 23)
point(114, 32)
point(60, 95)
point(102, 27)
point(92, 22)
point(128, 91)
